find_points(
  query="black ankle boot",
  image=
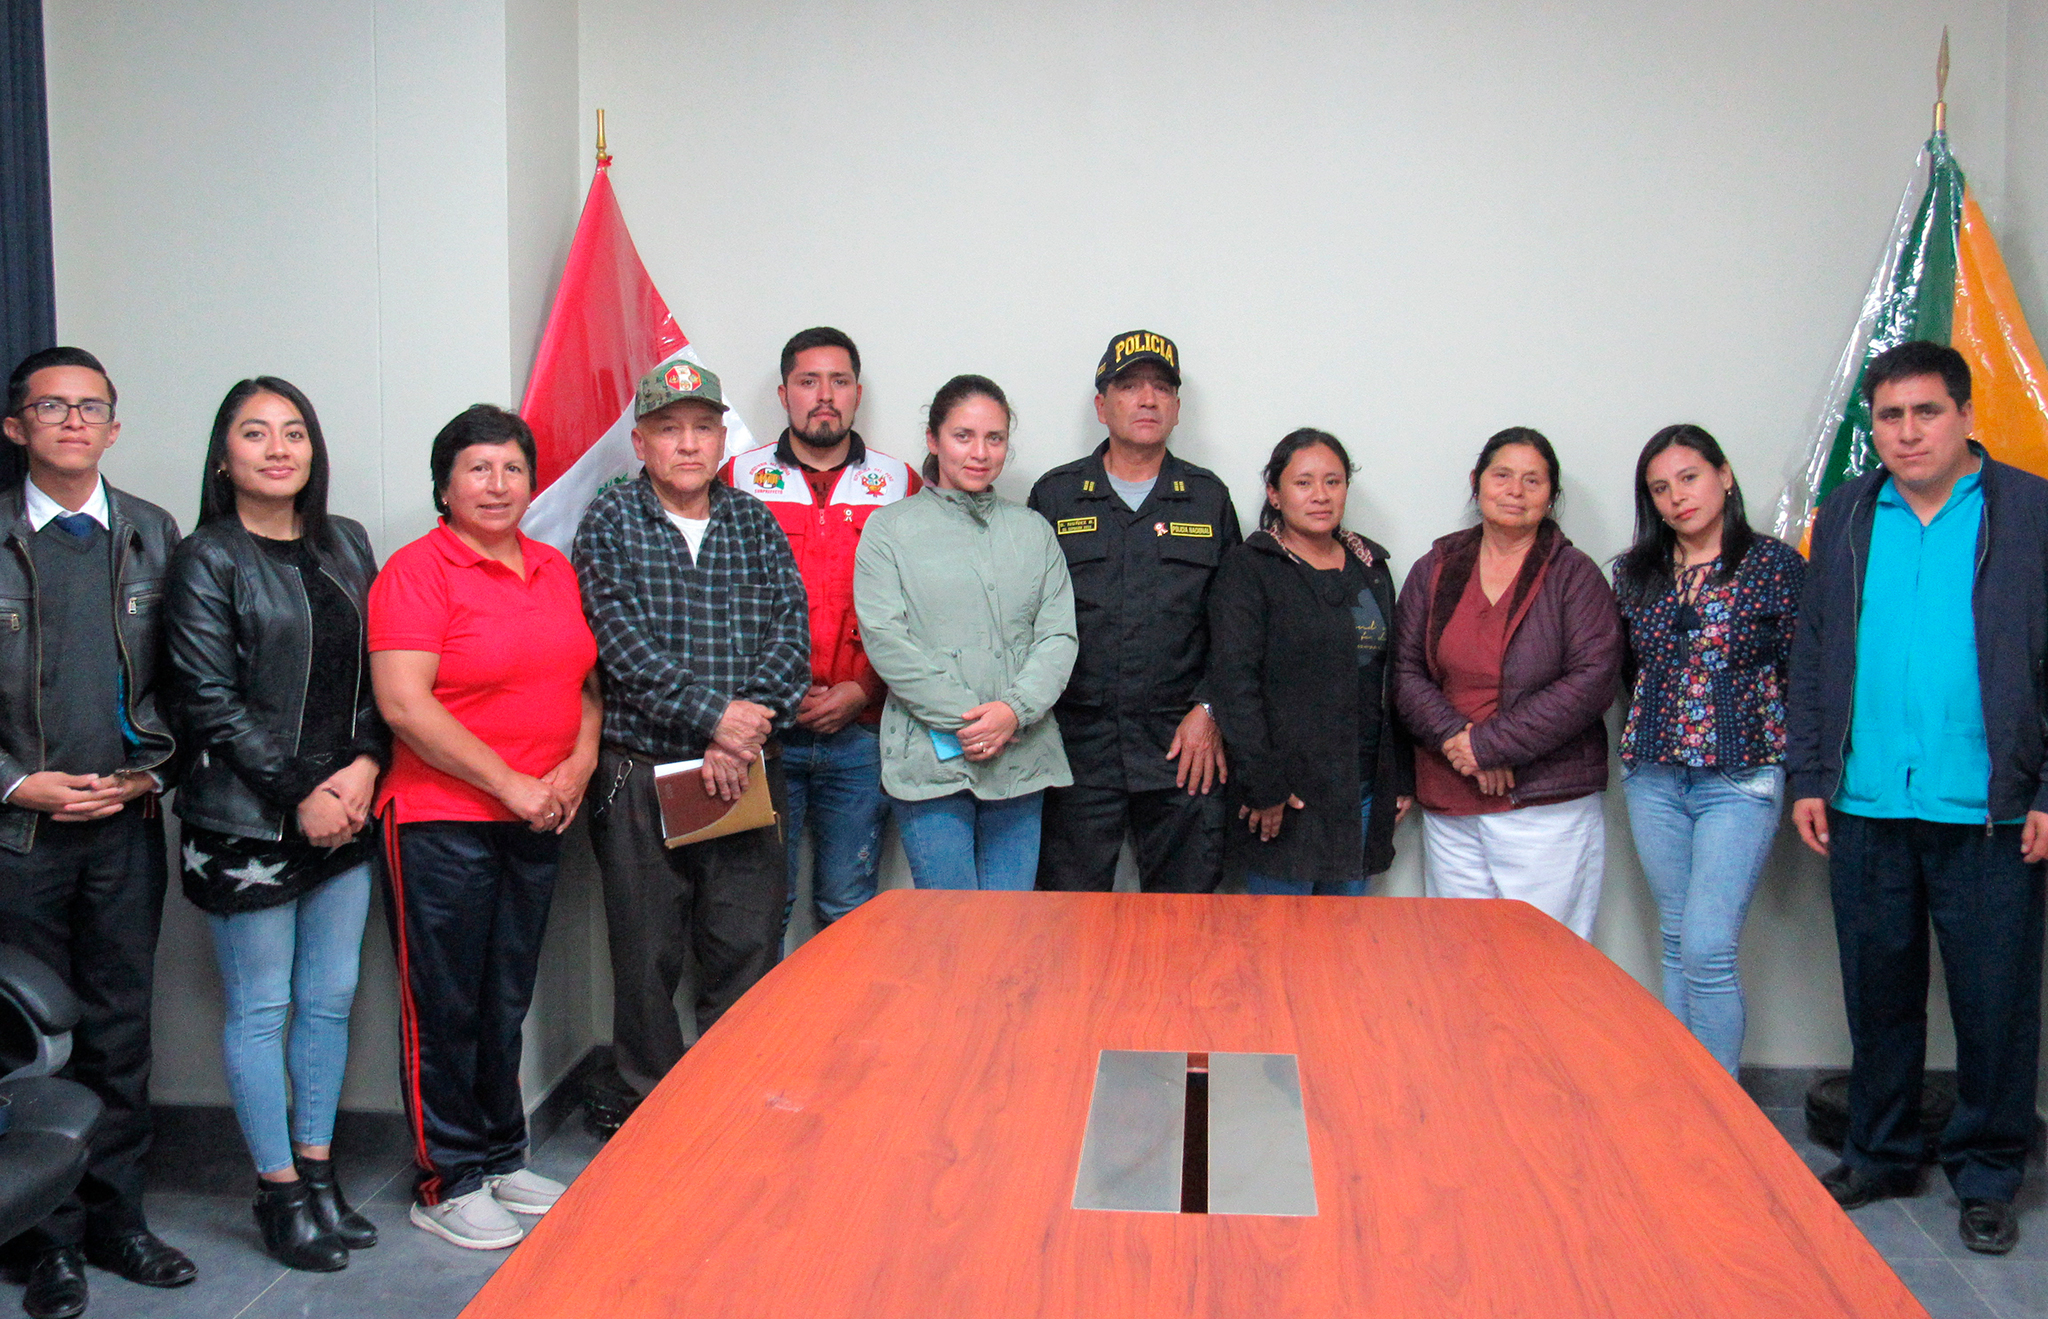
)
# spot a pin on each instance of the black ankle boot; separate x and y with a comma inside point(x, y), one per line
point(284, 1215)
point(329, 1209)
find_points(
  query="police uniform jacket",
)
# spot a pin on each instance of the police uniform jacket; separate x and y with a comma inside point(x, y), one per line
point(1141, 594)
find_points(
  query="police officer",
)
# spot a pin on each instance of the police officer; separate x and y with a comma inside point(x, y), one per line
point(1142, 532)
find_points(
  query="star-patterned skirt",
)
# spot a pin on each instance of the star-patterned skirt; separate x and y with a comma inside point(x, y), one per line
point(224, 874)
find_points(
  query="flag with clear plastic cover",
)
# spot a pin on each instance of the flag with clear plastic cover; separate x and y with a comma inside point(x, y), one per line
point(1941, 278)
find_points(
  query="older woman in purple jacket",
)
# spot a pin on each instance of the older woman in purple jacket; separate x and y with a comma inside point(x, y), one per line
point(1508, 652)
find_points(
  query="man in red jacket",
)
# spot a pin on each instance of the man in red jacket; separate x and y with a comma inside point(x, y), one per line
point(822, 483)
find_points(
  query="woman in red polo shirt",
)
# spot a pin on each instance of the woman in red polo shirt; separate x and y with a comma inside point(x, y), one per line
point(484, 668)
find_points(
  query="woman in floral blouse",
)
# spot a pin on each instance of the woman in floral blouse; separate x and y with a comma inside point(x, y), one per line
point(1709, 606)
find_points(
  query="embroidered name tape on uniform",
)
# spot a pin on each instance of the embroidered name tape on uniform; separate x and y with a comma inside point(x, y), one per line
point(1074, 526)
point(1191, 529)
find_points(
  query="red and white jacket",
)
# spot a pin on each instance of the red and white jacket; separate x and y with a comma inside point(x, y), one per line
point(824, 537)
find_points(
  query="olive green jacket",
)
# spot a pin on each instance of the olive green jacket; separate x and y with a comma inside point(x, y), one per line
point(964, 599)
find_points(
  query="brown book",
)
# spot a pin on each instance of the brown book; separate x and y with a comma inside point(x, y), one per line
point(691, 815)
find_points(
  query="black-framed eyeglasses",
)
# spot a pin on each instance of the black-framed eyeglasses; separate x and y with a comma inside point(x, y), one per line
point(53, 411)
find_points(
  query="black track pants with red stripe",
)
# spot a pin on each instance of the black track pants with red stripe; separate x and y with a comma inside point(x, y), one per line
point(468, 903)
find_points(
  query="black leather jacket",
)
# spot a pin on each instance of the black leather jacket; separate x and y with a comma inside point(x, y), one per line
point(239, 641)
point(143, 537)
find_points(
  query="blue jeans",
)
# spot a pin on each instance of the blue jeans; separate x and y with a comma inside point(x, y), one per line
point(1254, 882)
point(835, 780)
point(962, 842)
point(299, 957)
point(1702, 836)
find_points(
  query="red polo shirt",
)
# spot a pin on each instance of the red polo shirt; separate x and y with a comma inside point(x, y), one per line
point(514, 654)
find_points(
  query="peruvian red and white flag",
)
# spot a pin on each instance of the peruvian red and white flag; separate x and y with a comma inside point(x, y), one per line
point(609, 327)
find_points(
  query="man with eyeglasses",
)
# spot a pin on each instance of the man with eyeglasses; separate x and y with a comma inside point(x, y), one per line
point(84, 752)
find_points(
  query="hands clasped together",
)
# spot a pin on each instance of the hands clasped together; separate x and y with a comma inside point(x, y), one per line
point(742, 732)
point(550, 802)
point(73, 797)
point(1492, 782)
point(336, 811)
point(990, 727)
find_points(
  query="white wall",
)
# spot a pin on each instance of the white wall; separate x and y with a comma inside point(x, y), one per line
point(2024, 229)
point(336, 193)
point(1411, 225)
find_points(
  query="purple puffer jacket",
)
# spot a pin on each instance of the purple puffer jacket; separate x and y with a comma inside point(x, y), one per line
point(1560, 673)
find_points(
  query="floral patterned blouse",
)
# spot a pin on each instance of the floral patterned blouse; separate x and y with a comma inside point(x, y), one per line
point(1710, 674)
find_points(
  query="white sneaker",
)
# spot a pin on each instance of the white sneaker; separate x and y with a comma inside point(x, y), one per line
point(475, 1221)
point(525, 1191)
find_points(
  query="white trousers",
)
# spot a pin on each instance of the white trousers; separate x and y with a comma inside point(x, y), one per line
point(1549, 856)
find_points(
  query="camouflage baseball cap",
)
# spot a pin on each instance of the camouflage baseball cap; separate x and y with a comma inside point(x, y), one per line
point(677, 380)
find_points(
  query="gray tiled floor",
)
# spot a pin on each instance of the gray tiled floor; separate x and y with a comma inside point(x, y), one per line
point(1917, 1237)
point(409, 1275)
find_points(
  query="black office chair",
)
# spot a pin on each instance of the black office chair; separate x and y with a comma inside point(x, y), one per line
point(48, 1120)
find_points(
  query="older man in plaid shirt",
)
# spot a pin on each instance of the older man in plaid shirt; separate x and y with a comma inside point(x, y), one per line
point(704, 650)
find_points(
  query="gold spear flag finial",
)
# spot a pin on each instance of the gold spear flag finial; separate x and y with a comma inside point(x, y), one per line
point(1941, 85)
point(604, 157)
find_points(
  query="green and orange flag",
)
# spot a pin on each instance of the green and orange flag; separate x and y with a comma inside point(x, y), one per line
point(1941, 278)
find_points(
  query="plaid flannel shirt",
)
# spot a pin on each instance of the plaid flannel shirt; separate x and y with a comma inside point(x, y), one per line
point(679, 641)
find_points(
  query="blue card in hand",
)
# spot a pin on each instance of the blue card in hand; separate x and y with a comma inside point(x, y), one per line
point(946, 744)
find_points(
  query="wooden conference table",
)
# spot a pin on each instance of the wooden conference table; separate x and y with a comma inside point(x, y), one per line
point(1501, 1122)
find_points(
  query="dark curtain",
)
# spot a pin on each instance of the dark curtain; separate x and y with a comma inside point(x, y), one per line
point(28, 299)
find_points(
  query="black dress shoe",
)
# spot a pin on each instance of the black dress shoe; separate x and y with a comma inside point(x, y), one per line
point(1853, 1188)
point(142, 1257)
point(605, 1110)
point(330, 1209)
point(56, 1284)
point(1989, 1227)
point(291, 1235)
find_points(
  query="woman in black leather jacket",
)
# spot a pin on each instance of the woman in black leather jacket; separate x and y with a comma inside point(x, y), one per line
point(271, 686)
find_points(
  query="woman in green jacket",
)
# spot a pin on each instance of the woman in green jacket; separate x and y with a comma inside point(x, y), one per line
point(967, 613)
